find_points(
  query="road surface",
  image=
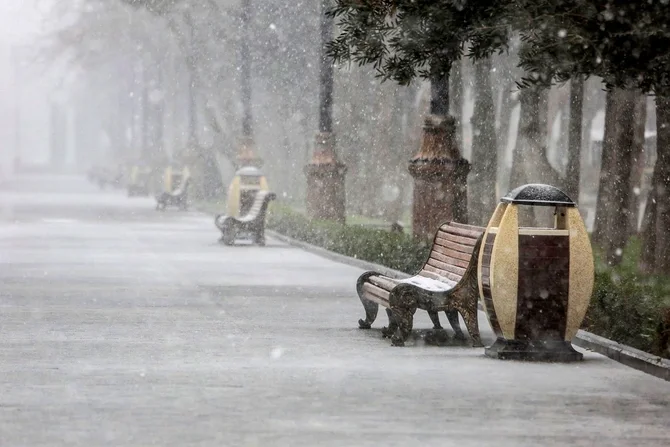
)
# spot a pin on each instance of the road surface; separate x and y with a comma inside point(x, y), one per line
point(124, 326)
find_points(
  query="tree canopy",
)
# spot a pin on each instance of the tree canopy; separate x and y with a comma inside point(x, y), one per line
point(404, 39)
point(625, 42)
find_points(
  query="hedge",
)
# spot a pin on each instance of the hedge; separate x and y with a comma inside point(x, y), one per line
point(626, 307)
point(394, 250)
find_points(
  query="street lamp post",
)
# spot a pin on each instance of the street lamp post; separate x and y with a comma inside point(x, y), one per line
point(246, 154)
point(325, 173)
point(17, 109)
point(439, 171)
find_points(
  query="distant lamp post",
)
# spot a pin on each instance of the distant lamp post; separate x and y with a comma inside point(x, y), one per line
point(58, 129)
point(325, 173)
point(246, 153)
point(16, 61)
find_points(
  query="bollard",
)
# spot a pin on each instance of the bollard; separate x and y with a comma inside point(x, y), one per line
point(535, 283)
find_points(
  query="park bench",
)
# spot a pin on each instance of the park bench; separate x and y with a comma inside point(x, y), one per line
point(252, 222)
point(177, 197)
point(447, 282)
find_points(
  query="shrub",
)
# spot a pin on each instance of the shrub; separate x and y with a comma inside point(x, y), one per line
point(393, 250)
point(629, 307)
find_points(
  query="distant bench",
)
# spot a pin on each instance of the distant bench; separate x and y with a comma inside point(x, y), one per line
point(178, 197)
point(252, 222)
point(447, 282)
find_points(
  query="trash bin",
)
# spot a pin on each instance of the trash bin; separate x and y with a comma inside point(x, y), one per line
point(174, 177)
point(535, 283)
point(242, 190)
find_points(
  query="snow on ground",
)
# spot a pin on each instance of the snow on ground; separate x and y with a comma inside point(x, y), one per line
point(120, 325)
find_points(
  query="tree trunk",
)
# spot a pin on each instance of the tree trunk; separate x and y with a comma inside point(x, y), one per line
point(648, 232)
point(656, 231)
point(614, 192)
point(573, 170)
point(456, 99)
point(482, 186)
point(639, 160)
point(530, 164)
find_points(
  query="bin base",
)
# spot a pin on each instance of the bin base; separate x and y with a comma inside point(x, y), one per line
point(534, 350)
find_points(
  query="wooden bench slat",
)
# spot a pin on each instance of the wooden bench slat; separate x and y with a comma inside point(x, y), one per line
point(448, 260)
point(465, 249)
point(443, 240)
point(440, 251)
point(371, 291)
point(467, 226)
point(445, 265)
point(383, 282)
point(454, 269)
point(434, 270)
point(465, 232)
point(432, 275)
point(452, 236)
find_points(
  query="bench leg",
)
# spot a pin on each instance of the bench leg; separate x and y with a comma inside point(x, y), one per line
point(259, 237)
point(371, 309)
point(472, 323)
point(404, 319)
point(403, 306)
point(228, 234)
point(388, 331)
point(452, 316)
point(435, 318)
point(465, 302)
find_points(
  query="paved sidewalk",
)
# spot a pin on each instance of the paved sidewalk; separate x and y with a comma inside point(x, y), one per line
point(123, 326)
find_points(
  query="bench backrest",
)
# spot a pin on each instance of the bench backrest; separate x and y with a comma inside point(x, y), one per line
point(452, 249)
point(260, 205)
point(183, 187)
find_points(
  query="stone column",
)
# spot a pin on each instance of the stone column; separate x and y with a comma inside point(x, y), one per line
point(440, 174)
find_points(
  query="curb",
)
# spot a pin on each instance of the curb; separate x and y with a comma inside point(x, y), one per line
point(631, 357)
point(365, 265)
point(626, 355)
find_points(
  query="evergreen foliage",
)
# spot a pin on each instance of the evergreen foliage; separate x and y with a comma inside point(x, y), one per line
point(625, 42)
point(394, 250)
point(404, 39)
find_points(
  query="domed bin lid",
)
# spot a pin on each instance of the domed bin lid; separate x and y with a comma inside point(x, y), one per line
point(249, 171)
point(537, 194)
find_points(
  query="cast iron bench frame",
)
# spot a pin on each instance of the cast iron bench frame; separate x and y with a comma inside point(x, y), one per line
point(450, 271)
point(253, 221)
point(178, 197)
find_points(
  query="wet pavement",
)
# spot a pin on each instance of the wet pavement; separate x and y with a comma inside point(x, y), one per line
point(124, 326)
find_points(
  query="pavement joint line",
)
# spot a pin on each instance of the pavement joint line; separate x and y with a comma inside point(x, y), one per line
point(626, 355)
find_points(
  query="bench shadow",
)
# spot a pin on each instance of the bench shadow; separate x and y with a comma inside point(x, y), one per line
point(442, 338)
point(245, 244)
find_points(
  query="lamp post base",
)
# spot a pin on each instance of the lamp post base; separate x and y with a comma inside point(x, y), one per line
point(325, 181)
point(325, 191)
point(534, 351)
point(440, 178)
